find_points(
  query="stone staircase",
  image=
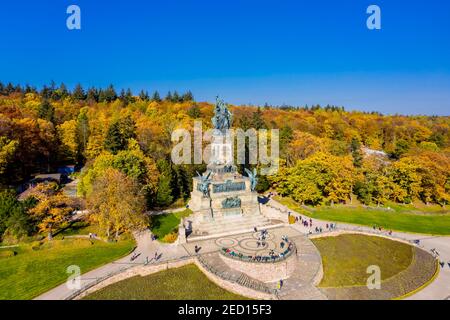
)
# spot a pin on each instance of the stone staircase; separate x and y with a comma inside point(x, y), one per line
point(248, 282)
point(213, 263)
point(230, 224)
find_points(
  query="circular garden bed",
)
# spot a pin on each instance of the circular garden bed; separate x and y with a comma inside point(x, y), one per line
point(404, 268)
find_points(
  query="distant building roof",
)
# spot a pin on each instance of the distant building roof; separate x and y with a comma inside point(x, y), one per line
point(39, 178)
point(371, 152)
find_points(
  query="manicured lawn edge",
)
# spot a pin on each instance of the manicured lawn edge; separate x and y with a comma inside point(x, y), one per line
point(289, 203)
point(426, 284)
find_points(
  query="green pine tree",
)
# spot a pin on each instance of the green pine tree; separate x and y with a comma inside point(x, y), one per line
point(114, 140)
point(46, 111)
point(355, 147)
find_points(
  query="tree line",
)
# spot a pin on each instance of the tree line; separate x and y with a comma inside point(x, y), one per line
point(54, 92)
point(324, 154)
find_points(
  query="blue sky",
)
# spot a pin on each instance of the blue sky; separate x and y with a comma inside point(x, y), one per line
point(294, 52)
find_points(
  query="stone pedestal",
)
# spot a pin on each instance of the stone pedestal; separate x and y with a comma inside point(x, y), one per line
point(231, 203)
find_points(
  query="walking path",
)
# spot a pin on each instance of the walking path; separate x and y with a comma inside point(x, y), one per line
point(155, 251)
point(299, 286)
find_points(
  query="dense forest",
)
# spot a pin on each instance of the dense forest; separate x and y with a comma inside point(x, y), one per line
point(327, 154)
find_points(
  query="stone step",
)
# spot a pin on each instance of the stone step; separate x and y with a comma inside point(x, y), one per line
point(232, 226)
point(221, 219)
point(234, 220)
point(193, 237)
point(215, 227)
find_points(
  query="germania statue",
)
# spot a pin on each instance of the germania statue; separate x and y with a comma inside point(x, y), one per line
point(223, 118)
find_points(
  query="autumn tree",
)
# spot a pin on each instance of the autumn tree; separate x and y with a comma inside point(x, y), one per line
point(68, 137)
point(321, 178)
point(404, 173)
point(194, 112)
point(132, 162)
point(117, 203)
point(7, 149)
point(53, 209)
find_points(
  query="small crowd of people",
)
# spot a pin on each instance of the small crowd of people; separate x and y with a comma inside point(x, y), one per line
point(262, 236)
point(272, 256)
point(380, 229)
point(308, 223)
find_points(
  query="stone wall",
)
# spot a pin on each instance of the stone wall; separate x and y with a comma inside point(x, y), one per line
point(150, 269)
point(274, 214)
point(265, 272)
point(234, 287)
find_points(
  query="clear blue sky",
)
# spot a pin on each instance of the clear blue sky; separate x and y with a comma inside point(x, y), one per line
point(248, 51)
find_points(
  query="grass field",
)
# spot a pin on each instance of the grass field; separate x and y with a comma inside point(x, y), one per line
point(37, 268)
point(402, 218)
point(184, 283)
point(78, 228)
point(346, 258)
point(164, 224)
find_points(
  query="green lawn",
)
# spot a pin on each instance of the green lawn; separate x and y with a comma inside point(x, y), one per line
point(184, 283)
point(401, 219)
point(38, 268)
point(164, 224)
point(78, 228)
point(346, 258)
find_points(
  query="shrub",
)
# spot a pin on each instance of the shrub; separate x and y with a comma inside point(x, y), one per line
point(36, 245)
point(170, 237)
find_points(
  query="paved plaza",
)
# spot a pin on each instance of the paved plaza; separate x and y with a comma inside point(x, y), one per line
point(246, 243)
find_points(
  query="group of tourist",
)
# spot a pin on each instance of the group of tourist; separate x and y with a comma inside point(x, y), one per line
point(92, 235)
point(308, 223)
point(261, 241)
point(285, 245)
point(380, 229)
point(437, 255)
point(272, 257)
